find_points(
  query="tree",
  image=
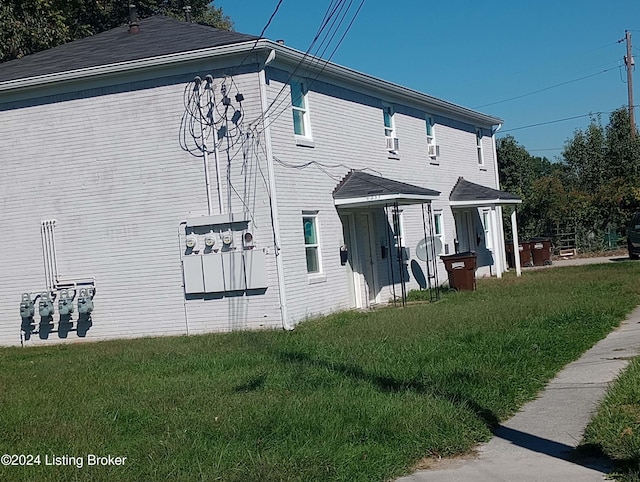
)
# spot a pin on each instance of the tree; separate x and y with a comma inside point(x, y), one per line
point(29, 26)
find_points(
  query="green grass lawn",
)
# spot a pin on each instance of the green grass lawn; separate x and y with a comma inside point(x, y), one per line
point(615, 430)
point(349, 397)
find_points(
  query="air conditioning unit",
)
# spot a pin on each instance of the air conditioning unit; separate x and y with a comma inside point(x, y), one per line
point(392, 143)
point(433, 150)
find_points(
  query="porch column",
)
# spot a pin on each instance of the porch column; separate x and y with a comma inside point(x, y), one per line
point(516, 243)
point(497, 257)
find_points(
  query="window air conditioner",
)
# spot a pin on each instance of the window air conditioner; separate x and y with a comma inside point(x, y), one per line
point(392, 143)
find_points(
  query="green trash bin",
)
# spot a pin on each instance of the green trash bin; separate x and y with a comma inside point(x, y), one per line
point(461, 268)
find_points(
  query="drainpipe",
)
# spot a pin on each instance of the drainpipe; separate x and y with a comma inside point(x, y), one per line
point(272, 189)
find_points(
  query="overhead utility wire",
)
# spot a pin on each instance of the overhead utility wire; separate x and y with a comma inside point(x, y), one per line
point(555, 121)
point(320, 60)
point(331, 11)
point(264, 29)
point(545, 89)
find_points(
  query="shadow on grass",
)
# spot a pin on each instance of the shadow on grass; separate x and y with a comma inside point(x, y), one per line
point(393, 385)
point(585, 458)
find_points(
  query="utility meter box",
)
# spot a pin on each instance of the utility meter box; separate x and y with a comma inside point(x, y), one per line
point(27, 307)
point(45, 306)
point(233, 268)
point(85, 301)
point(65, 303)
point(255, 267)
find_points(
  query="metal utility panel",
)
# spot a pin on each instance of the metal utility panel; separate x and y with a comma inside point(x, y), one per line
point(233, 271)
point(193, 276)
point(255, 267)
point(213, 273)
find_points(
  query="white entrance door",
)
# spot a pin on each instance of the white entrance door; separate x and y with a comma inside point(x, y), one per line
point(465, 232)
point(358, 232)
point(353, 276)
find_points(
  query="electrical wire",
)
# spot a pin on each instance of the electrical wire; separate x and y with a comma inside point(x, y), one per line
point(312, 65)
point(331, 11)
point(544, 89)
point(555, 121)
point(326, 62)
point(264, 29)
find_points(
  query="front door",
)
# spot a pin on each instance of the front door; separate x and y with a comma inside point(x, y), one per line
point(465, 232)
point(361, 268)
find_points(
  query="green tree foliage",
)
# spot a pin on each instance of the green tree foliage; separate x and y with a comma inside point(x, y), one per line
point(28, 26)
point(520, 174)
point(593, 189)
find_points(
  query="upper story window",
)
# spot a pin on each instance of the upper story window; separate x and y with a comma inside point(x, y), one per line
point(311, 242)
point(300, 108)
point(479, 147)
point(390, 128)
point(431, 137)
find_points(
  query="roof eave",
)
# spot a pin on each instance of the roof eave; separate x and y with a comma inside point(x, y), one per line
point(484, 202)
point(283, 53)
point(380, 200)
point(289, 55)
point(151, 62)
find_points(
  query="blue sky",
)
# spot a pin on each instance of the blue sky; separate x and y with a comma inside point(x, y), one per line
point(477, 53)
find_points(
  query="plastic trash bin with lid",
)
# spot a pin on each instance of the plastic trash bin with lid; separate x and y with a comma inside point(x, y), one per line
point(541, 251)
point(524, 247)
point(461, 268)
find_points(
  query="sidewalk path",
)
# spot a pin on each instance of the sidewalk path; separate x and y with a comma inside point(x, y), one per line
point(537, 444)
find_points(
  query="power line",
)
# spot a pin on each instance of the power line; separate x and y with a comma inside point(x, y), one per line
point(264, 29)
point(330, 12)
point(319, 60)
point(545, 89)
point(553, 121)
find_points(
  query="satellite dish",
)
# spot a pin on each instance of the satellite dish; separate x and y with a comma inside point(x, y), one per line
point(428, 247)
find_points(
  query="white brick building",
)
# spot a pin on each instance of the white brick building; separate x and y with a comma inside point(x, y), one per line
point(113, 137)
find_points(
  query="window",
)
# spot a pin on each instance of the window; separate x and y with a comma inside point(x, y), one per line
point(438, 230)
point(301, 125)
point(431, 137)
point(479, 147)
point(398, 228)
point(389, 128)
point(486, 222)
point(311, 244)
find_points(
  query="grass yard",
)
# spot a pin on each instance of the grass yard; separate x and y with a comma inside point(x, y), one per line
point(349, 397)
point(615, 430)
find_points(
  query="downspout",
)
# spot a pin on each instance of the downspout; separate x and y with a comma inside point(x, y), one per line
point(500, 249)
point(272, 190)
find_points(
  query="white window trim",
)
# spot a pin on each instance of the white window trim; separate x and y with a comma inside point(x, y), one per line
point(441, 236)
point(319, 275)
point(306, 118)
point(479, 148)
point(486, 224)
point(392, 127)
point(400, 214)
point(431, 139)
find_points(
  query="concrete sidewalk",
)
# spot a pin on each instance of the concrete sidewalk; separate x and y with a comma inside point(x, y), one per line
point(537, 444)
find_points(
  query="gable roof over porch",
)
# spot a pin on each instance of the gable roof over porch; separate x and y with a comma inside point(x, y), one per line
point(359, 189)
point(466, 193)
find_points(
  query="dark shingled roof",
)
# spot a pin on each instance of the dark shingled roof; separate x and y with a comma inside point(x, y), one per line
point(158, 36)
point(358, 184)
point(468, 191)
